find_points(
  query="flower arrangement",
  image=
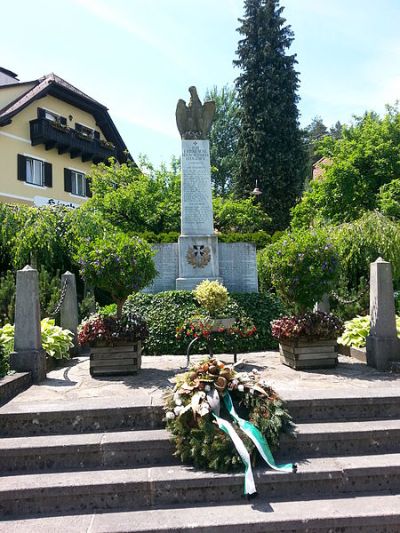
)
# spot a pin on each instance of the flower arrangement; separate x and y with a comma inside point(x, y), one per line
point(310, 326)
point(100, 330)
point(203, 327)
point(205, 398)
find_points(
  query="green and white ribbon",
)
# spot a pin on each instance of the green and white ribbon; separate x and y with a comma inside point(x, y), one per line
point(249, 485)
point(257, 437)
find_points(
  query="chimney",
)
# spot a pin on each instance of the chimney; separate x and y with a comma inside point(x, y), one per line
point(7, 77)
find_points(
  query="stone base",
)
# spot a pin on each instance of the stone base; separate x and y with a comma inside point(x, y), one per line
point(33, 361)
point(382, 351)
point(188, 284)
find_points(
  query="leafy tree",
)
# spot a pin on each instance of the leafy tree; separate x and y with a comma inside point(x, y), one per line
point(242, 216)
point(365, 158)
point(313, 133)
point(388, 199)
point(271, 149)
point(224, 138)
point(134, 201)
point(117, 263)
point(335, 131)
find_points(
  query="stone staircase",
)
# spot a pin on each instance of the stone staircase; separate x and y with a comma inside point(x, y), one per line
point(110, 469)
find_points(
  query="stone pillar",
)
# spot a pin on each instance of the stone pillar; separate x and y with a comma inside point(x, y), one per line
point(69, 316)
point(383, 346)
point(28, 355)
point(197, 246)
point(323, 305)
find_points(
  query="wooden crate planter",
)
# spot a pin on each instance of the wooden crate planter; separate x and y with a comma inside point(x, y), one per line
point(303, 355)
point(119, 360)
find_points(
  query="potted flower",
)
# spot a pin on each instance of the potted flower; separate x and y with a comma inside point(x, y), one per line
point(303, 266)
point(308, 340)
point(115, 343)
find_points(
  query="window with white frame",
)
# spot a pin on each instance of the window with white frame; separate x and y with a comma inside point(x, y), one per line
point(78, 183)
point(34, 171)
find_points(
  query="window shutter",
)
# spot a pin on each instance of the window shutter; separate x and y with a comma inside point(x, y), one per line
point(41, 113)
point(21, 167)
point(89, 193)
point(96, 135)
point(63, 121)
point(78, 127)
point(48, 175)
point(67, 180)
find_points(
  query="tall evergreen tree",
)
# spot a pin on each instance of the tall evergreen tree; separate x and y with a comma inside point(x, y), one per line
point(271, 148)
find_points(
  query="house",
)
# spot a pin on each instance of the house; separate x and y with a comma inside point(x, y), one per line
point(50, 135)
point(318, 168)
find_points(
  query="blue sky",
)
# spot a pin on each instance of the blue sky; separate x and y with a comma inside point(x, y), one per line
point(138, 57)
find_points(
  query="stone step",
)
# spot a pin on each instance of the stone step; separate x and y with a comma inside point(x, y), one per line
point(135, 489)
point(152, 447)
point(88, 450)
point(355, 513)
point(19, 420)
point(341, 438)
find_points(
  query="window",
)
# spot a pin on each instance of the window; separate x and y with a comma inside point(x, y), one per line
point(34, 171)
point(78, 183)
point(50, 115)
point(84, 131)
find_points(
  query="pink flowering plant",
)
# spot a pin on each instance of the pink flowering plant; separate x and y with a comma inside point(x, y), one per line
point(309, 326)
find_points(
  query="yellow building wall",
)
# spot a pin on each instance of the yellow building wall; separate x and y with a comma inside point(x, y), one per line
point(15, 139)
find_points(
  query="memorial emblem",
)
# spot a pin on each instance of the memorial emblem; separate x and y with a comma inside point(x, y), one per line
point(194, 119)
point(198, 255)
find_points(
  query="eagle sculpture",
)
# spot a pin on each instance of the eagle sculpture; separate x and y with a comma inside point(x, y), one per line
point(194, 120)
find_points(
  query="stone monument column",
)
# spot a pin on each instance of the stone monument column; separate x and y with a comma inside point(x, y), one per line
point(197, 245)
point(28, 355)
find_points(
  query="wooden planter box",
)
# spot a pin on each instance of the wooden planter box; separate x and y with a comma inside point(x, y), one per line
point(119, 360)
point(303, 355)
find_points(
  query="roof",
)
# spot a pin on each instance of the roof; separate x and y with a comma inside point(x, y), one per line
point(8, 73)
point(53, 85)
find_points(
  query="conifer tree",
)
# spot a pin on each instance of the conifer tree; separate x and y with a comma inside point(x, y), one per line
point(271, 148)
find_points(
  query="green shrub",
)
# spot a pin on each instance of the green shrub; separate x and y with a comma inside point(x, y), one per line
point(3, 361)
point(7, 298)
point(55, 341)
point(301, 267)
point(356, 331)
point(166, 311)
point(211, 295)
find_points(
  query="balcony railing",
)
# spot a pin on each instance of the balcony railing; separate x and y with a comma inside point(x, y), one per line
point(67, 140)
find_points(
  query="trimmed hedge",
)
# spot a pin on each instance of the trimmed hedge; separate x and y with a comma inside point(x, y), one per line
point(259, 238)
point(166, 311)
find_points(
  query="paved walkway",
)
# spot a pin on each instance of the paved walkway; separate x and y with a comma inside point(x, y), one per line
point(72, 386)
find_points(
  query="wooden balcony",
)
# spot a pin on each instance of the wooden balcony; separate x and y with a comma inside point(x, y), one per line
point(67, 140)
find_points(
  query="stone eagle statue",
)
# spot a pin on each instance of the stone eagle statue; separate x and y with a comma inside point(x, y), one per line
point(194, 120)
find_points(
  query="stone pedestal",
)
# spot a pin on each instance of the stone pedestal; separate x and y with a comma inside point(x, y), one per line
point(383, 346)
point(28, 355)
point(198, 260)
point(69, 316)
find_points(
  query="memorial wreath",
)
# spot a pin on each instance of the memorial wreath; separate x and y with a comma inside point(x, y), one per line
point(219, 418)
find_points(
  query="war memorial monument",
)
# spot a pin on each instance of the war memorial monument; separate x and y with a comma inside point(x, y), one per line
point(198, 255)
